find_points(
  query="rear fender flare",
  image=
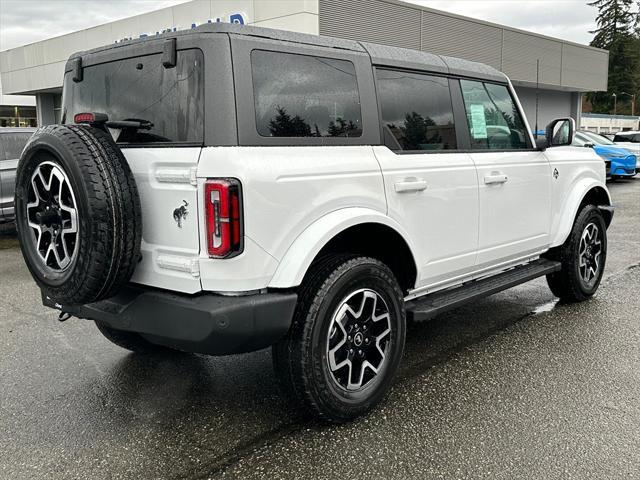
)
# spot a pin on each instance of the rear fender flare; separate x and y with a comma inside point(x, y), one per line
point(307, 245)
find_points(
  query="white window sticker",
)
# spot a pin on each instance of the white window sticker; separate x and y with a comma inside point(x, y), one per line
point(478, 121)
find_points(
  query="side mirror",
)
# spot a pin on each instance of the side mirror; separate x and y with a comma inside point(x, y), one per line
point(560, 132)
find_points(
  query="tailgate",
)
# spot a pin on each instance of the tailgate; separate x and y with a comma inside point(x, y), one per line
point(168, 196)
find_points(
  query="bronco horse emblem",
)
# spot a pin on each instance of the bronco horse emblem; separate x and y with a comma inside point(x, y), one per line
point(181, 213)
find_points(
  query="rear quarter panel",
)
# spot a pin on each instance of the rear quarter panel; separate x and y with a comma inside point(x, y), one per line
point(285, 190)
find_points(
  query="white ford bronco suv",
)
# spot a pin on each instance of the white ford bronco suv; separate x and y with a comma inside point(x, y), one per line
point(228, 188)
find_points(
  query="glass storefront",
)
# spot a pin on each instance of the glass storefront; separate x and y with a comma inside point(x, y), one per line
point(17, 116)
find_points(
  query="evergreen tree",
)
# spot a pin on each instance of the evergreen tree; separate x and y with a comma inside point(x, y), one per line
point(615, 19)
point(284, 125)
point(619, 32)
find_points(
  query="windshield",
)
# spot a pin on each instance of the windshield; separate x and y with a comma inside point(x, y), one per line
point(598, 139)
point(142, 89)
point(580, 139)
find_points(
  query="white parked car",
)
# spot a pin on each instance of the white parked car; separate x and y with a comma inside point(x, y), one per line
point(630, 141)
point(231, 188)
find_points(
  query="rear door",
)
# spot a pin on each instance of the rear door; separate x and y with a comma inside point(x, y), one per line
point(163, 155)
point(431, 187)
point(514, 178)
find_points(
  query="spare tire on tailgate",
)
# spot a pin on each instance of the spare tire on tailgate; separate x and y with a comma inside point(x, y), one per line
point(77, 213)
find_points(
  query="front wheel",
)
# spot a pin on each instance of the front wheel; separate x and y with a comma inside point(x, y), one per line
point(583, 257)
point(347, 338)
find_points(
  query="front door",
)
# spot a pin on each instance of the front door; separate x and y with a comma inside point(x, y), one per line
point(514, 178)
point(431, 188)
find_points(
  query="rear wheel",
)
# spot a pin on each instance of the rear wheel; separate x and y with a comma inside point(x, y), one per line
point(583, 257)
point(347, 338)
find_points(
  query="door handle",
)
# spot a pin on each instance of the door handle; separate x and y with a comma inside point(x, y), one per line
point(410, 185)
point(495, 177)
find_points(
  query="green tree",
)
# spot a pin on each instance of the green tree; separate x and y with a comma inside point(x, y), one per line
point(619, 32)
point(284, 125)
point(615, 19)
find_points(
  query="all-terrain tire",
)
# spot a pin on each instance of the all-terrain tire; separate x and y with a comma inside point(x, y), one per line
point(301, 358)
point(109, 220)
point(568, 284)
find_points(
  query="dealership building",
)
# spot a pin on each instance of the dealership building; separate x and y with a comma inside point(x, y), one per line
point(549, 74)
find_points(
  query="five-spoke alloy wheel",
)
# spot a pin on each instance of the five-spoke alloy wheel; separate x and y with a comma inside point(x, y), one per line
point(358, 338)
point(583, 257)
point(52, 215)
point(347, 338)
point(590, 253)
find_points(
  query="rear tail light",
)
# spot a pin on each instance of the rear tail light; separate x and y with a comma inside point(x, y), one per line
point(223, 209)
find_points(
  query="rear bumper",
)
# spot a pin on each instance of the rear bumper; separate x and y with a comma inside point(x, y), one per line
point(204, 323)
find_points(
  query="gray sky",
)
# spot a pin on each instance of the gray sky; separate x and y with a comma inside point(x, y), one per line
point(27, 21)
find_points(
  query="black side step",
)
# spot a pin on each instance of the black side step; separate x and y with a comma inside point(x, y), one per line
point(427, 307)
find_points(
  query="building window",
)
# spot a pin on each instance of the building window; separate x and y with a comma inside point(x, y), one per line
point(305, 96)
point(416, 111)
point(17, 116)
point(493, 118)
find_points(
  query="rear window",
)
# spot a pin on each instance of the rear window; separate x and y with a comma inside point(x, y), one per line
point(305, 96)
point(13, 144)
point(140, 88)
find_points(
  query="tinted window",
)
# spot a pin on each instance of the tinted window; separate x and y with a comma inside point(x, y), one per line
point(305, 96)
point(13, 144)
point(627, 138)
point(493, 118)
point(141, 88)
point(416, 111)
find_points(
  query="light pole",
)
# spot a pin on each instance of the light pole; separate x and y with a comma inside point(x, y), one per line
point(615, 103)
point(633, 102)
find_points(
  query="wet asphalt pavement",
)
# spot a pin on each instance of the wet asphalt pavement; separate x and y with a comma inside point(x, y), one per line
point(515, 386)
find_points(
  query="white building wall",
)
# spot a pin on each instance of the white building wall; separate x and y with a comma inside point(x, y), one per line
point(40, 66)
point(552, 104)
point(610, 123)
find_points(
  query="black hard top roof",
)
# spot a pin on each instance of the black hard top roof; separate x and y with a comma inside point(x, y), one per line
point(380, 54)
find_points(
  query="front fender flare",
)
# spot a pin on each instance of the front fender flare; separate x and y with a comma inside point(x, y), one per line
point(570, 208)
point(307, 245)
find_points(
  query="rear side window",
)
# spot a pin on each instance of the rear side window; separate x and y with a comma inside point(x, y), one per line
point(13, 144)
point(416, 111)
point(140, 88)
point(305, 96)
point(493, 118)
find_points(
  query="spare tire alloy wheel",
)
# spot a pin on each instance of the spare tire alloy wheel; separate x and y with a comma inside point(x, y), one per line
point(358, 338)
point(78, 214)
point(53, 216)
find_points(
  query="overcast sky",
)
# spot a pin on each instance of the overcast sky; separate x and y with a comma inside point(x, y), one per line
point(27, 21)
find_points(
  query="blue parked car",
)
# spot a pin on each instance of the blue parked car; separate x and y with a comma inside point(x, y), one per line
point(620, 162)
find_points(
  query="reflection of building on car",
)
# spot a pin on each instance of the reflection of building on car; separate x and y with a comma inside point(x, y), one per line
point(620, 162)
point(631, 141)
point(12, 141)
